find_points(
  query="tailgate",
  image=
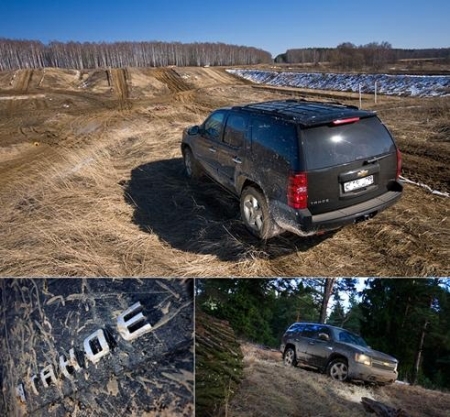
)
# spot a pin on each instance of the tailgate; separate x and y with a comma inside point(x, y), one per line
point(348, 164)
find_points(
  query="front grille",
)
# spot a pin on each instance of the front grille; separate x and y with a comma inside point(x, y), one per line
point(390, 366)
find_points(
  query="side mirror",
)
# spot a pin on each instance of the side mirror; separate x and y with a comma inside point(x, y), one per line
point(193, 130)
point(324, 336)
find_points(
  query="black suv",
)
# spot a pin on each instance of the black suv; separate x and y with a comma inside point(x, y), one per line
point(298, 166)
point(338, 352)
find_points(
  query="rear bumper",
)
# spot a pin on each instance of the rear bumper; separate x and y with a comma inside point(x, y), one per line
point(303, 223)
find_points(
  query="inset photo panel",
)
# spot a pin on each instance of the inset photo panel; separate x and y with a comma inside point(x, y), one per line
point(322, 347)
point(96, 347)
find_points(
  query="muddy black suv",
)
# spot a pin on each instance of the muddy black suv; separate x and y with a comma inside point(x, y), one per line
point(299, 166)
point(341, 354)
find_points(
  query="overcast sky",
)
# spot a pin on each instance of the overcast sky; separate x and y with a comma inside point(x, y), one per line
point(274, 25)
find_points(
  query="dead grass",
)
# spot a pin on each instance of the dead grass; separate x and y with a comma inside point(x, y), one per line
point(253, 353)
point(271, 389)
point(75, 218)
point(422, 130)
point(104, 195)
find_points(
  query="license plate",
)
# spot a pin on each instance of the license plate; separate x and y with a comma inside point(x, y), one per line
point(359, 183)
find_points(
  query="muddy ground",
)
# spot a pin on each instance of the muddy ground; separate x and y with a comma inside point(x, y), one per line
point(92, 184)
point(140, 369)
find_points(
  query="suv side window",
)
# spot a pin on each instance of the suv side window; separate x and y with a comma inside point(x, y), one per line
point(275, 135)
point(214, 124)
point(347, 337)
point(323, 329)
point(296, 328)
point(235, 130)
point(312, 331)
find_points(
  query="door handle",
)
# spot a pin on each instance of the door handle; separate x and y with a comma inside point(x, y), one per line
point(212, 150)
point(237, 160)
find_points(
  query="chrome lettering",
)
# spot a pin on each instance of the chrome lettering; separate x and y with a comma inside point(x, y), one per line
point(131, 323)
point(20, 392)
point(96, 346)
point(69, 366)
point(33, 384)
point(48, 376)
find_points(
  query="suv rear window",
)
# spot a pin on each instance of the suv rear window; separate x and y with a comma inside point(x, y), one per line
point(331, 145)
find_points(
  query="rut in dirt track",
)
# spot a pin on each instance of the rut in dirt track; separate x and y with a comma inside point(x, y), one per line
point(21, 80)
point(118, 79)
point(173, 81)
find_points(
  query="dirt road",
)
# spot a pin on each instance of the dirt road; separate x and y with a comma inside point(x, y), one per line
point(91, 184)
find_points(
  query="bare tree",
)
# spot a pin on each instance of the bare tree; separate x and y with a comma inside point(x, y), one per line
point(16, 54)
point(327, 291)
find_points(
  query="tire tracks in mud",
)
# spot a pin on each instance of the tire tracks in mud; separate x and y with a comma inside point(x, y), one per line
point(20, 83)
point(21, 80)
point(47, 136)
point(171, 78)
point(118, 80)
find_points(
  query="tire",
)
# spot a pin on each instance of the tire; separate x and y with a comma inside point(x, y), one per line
point(338, 369)
point(289, 357)
point(191, 166)
point(255, 213)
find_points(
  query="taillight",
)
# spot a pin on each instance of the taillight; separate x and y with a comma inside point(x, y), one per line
point(297, 194)
point(399, 164)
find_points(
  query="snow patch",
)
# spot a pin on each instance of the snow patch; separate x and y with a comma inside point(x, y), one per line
point(427, 187)
point(398, 85)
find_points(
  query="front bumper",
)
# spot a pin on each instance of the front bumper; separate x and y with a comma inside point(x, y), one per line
point(361, 372)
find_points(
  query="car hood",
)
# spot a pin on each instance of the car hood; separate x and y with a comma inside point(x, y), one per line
point(374, 354)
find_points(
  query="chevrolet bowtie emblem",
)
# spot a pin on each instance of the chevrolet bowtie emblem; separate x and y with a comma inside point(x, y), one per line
point(363, 173)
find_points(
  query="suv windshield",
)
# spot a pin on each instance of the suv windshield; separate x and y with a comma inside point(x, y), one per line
point(332, 145)
point(347, 337)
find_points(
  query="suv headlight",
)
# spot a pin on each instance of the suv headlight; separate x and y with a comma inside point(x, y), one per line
point(364, 359)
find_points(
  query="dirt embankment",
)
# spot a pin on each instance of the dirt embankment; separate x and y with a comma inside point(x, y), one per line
point(272, 389)
point(92, 184)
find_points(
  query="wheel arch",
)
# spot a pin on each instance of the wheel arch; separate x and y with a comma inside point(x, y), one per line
point(332, 358)
point(335, 356)
point(289, 345)
point(244, 182)
point(184, 146)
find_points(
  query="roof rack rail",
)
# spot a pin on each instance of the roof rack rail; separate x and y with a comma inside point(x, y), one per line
point(305, 112)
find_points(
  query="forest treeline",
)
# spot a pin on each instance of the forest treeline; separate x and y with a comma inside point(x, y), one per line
point(21, 54)
point(374, 55)
point(407, 318)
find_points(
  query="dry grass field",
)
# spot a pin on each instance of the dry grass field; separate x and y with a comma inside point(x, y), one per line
point(271, 389)
point(92, 184)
